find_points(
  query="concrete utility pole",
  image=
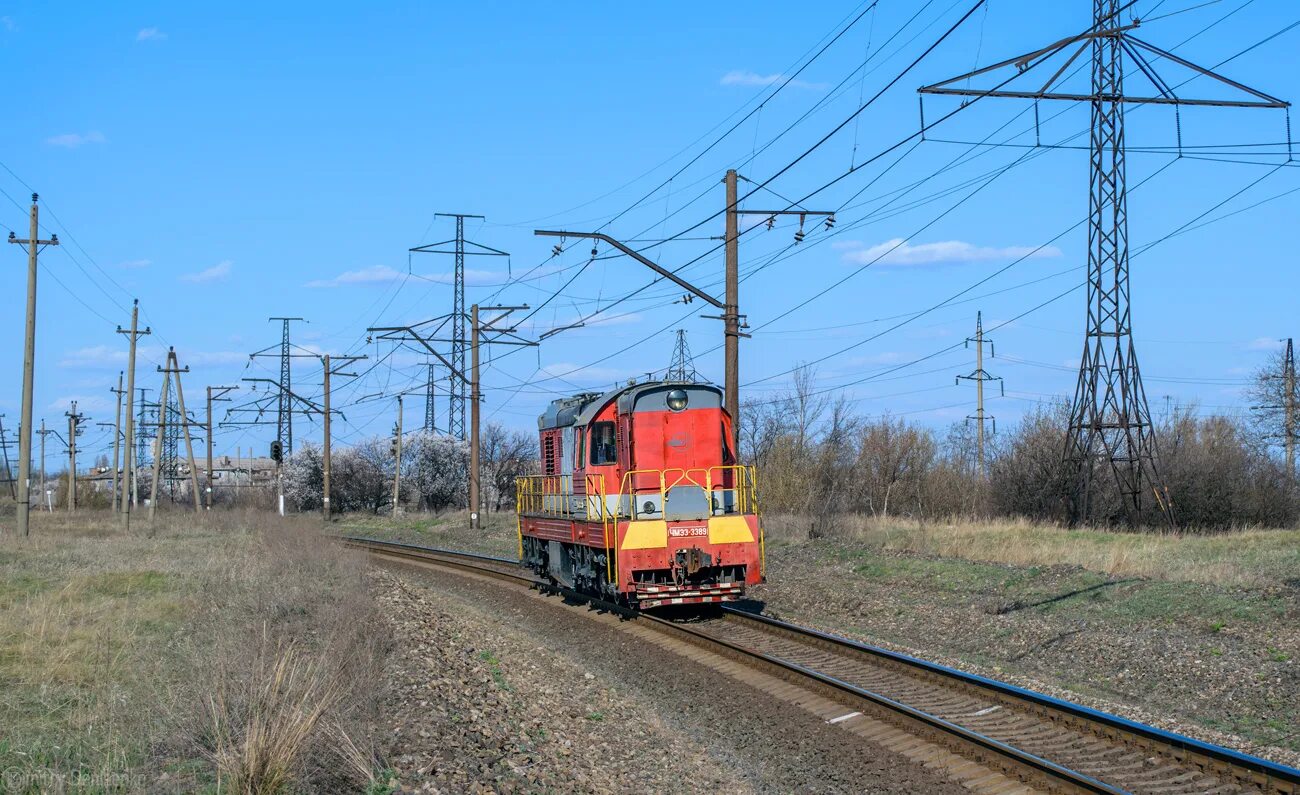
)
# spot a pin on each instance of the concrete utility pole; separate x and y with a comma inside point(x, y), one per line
point(220, 391)
point(731, 312)
point(397, 455)
point(117, 442)
point(74, 428)
point(173, 365)
point(325, 447)
point(476, 395)
point(132, 482)
point(979, 376)
point(138, 451)
point(733, 321)
point(1288, 381)
point(34, 244)
point(475, 398)
point(45, 497)
point(164, 399)
point(4, 447)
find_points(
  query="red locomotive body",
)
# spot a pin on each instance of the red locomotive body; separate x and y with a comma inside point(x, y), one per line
point(641, 499)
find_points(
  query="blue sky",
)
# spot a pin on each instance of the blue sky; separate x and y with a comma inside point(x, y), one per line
point(227, 164)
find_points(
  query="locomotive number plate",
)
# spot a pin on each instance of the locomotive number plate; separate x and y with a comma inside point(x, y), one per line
point(686, 532)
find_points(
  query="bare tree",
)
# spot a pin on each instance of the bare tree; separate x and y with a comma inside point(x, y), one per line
point(506, 455)
point(893, 460)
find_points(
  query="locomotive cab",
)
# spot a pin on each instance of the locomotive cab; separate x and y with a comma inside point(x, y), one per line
point(641, 498)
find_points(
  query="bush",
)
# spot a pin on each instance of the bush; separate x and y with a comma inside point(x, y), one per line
point(816, 459)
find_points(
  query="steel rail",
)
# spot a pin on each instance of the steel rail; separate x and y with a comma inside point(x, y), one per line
point(1269, 777)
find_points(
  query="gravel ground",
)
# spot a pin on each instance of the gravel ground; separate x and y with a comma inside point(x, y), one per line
point(495, 689)
point(1217, 664)
point(1234, 683)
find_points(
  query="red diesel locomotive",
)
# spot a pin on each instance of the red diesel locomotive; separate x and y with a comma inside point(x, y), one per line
point(641, 499)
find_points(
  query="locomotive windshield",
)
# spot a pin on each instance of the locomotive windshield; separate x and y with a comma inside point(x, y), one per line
point(603, 448)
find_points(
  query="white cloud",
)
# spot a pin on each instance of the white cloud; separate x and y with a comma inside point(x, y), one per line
point(150, 34)
point(1264, 344)
point(8, 23)
point(135, 264)
point(94, 356)
point(383, 274)
point(744, 77)
point(217, 273)
point(107, 357)
point(85, 404)
point(74, 140)
point(900, 252)
point(375, 274)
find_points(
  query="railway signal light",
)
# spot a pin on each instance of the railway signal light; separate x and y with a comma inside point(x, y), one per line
point(277, 451)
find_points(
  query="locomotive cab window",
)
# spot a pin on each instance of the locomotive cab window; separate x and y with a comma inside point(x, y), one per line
point(603, 447)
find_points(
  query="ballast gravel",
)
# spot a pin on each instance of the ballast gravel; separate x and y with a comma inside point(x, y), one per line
point(495, 689)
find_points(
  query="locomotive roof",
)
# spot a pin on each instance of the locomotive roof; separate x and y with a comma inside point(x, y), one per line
point(581, 408)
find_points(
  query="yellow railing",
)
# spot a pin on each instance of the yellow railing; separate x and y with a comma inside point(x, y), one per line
point(742, 483)
point(553, 495)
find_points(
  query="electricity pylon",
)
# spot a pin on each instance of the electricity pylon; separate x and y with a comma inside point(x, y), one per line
point(460, 319)
point(683, 366)
point(980, 376)
point(1110, 421)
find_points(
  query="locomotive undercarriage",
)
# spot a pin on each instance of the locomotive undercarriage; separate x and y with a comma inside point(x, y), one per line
point(692, 577)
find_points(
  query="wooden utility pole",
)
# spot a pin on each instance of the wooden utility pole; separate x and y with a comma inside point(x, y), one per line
point(733, 321)
point(397, 454)
point(74, 427)
point(325, 447)
point(117, 442)
point(221, 390)
point(34, 244)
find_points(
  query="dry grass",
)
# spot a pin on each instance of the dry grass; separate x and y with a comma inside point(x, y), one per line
point(1245, 558)
point(227, 650)
point(261, 725)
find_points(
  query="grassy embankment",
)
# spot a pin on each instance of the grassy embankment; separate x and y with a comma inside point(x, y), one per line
point(210, 655)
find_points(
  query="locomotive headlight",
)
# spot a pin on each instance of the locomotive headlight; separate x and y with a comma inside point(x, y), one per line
point(677, 399)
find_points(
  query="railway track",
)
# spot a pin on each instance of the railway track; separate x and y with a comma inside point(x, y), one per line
point(1040, 741)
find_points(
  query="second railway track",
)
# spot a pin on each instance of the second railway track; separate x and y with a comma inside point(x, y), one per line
point(1016, 734)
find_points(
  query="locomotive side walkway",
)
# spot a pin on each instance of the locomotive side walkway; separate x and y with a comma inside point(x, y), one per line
point(494, 689)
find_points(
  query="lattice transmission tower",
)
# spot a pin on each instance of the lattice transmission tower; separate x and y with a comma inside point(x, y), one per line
point(1110, 421)
point(683, 366)
point(460, 319)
